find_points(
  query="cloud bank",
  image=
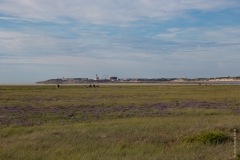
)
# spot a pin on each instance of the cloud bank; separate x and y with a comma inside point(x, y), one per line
point(108, 11)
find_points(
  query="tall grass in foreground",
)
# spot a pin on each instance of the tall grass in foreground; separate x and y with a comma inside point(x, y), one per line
point(134, 138)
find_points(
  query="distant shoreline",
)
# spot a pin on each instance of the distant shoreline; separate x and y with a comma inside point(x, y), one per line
point(216, 80)
point(138, 83)
point(175, 81)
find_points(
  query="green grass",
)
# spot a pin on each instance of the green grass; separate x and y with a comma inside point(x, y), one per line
point(134, 138)
point(118, 122)
point(44, 96)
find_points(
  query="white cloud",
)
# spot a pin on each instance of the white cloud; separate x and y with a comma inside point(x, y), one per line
point(22, 44)
point(108, 11)
point(224, 34)
point(166, 35)
point(221, 35)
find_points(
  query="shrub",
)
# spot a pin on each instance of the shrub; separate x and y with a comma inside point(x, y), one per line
point(238, 157)
point(210, 137)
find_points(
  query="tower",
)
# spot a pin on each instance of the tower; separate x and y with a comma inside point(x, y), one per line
point(96, 77)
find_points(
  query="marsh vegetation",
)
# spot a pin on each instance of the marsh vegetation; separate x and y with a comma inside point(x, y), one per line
point(118, 122)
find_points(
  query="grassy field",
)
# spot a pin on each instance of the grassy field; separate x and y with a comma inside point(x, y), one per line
point(119, 122)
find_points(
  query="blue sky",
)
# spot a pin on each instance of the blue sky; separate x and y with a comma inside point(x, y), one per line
point(41, 40)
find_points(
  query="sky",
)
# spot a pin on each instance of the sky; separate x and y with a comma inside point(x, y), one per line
point(42, 39)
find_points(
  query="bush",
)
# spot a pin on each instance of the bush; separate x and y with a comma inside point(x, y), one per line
point(238, 157)
point(211, 137)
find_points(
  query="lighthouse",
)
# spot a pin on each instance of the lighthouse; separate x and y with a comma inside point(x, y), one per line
point(96, 77)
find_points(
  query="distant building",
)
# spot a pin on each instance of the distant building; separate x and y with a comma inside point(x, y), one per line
point(84, 79)
point(113, 78)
